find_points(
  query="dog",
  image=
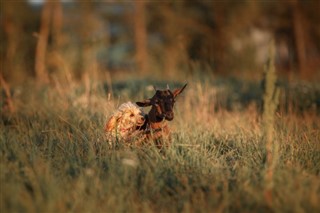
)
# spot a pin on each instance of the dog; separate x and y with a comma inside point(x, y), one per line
point(124, 122)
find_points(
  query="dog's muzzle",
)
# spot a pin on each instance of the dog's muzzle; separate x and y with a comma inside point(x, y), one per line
point(140, 121)
point(169, 116)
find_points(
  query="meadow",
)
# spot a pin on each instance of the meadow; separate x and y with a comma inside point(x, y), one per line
point(54, 158)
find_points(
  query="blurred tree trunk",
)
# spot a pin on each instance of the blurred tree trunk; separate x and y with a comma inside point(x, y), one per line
point(12, 30)
point(175, 52)
point(41, 49)
point(57, 23)
point(171, 51)
point(87, 28)
point(141, 39)
point(220, 36)
point(299, 38)
point(55, 61)
point(90, 42)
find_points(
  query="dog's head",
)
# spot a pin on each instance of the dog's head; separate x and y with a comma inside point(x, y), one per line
point(126, 119)
point(162, 103)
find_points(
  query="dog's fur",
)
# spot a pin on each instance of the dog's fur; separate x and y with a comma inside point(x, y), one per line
point(123, 123)
point(155, 127)
point(131, 126)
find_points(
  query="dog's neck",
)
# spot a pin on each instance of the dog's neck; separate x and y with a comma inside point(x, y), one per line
point(158, 125)
point(153, 123)
point(153, 118)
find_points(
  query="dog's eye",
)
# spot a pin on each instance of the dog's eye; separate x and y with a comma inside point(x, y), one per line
point(131, 115)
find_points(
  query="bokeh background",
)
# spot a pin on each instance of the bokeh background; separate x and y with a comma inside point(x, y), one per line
point(46, 40)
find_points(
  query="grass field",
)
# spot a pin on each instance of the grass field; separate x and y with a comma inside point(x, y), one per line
point(53, 157)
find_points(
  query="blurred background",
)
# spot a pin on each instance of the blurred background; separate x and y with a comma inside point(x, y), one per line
point(48, 40)
point(122, 48)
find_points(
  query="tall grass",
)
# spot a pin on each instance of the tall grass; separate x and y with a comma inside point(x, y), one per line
point(53, 158)
point(270, 104)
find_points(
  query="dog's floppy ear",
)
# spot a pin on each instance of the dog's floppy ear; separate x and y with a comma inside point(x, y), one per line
point(110, 124)
point(144, 103)
point(176, 92)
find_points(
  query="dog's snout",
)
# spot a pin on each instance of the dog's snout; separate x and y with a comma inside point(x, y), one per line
point(140, 120)
point(169, 116)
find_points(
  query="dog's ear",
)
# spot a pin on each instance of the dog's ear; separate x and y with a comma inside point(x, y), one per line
point(110, 124)
point(176, 92)
point(144, 103)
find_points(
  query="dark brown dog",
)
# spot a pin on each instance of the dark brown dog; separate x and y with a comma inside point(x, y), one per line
point(155, 126)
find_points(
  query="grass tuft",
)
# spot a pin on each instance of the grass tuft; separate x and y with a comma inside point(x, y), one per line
point(53, 158)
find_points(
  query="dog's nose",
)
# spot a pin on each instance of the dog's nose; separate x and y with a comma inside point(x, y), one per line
point(169, 116)
point(141, 120)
